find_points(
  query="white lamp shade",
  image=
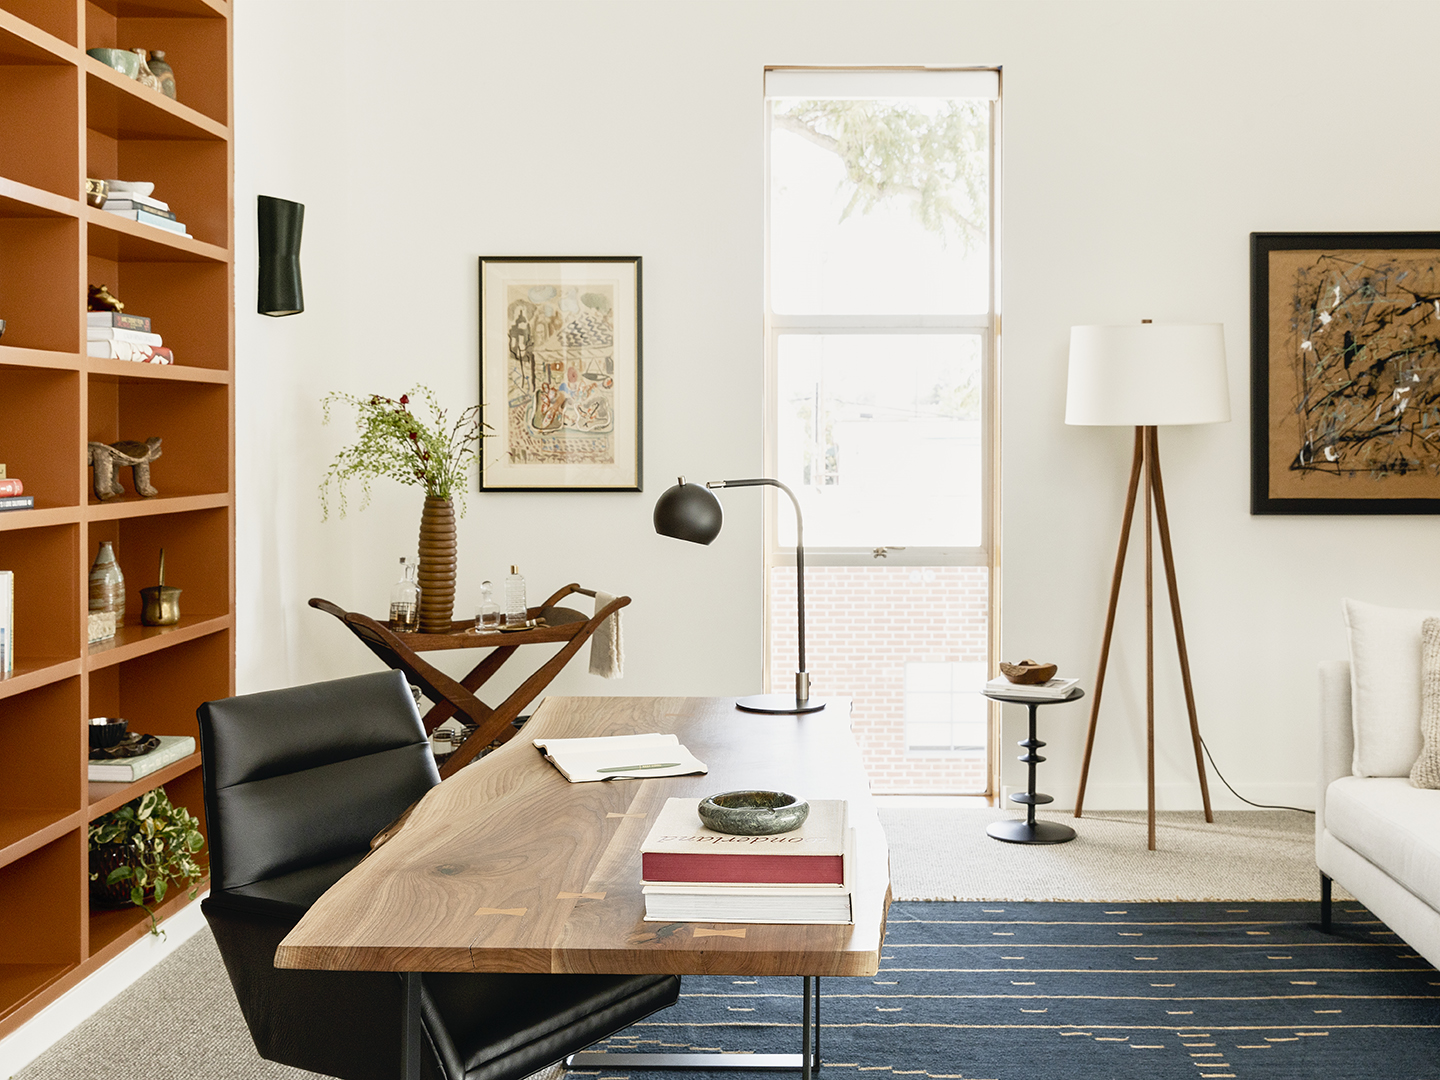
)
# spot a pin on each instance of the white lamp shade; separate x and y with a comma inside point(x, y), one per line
point(1147, 374)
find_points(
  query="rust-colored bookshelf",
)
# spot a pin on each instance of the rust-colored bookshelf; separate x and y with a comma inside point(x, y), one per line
point(65, 116)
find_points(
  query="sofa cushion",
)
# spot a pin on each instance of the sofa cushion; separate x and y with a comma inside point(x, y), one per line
point(1385, 686)
point(1425, 773)
point(1392, 823)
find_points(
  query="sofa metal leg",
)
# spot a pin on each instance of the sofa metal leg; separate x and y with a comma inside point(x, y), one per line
point(1324, 904)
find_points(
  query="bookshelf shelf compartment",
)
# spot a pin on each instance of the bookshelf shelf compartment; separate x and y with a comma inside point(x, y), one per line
point(39, 102)
point(41, 457)
point(128, 371)
point(133, 640)
point(53, 19)
point(38, 288)
point(40, 894)
point(193, 421)
point(106, 797)
point(112, 929)
point(24, 829)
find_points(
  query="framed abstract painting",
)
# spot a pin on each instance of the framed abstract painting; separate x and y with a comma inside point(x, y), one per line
point(560, 344)
point(1345, 373)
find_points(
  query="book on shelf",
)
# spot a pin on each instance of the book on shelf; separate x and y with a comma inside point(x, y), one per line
point(680, 849)
point(620, 757)
point(1050, 690)
point(7, 621)
point(172, 748)
point(11, 487)
point(138, 198)
point(120, 205)
point(119, 319)
point(120, 333)
point(17, 502)
point(144, 217)
point(128, 350)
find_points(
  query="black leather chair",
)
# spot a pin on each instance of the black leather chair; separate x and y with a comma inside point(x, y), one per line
point(297, 781)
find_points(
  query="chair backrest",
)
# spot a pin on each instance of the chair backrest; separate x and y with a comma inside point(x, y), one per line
point(308, 774)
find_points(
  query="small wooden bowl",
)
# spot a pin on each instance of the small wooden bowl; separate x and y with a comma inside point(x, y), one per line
point(1028, 672)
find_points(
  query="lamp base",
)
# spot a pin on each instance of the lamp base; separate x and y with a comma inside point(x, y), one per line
point(778, 703)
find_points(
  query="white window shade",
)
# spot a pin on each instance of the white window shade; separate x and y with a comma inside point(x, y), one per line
point(818, 83)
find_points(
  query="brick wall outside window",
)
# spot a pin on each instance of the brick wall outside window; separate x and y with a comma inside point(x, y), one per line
point(862, 625)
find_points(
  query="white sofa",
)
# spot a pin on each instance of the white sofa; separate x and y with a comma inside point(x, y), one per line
point(1378, 836)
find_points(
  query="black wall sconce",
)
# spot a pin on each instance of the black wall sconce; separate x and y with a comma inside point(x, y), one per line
point(280, 224)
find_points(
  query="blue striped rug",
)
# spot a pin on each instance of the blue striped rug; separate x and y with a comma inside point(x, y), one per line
point(1072, 991)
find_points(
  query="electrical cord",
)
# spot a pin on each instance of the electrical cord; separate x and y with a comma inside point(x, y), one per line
point(1262, 806)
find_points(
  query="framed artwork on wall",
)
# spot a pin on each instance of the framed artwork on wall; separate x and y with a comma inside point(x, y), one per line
point(1345, 373)
point(560, 343)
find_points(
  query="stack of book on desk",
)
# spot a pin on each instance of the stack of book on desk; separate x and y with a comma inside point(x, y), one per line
point(694, 874)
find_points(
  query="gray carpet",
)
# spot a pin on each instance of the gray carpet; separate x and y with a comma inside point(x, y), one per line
point(180, 1021)
point(941, 854)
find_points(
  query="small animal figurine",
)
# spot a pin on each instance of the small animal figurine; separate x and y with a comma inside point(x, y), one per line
point(101, 300)
point(107, 459)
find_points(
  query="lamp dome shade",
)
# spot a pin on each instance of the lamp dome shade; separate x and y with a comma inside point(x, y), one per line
point(1147, 374)
point(689, 512)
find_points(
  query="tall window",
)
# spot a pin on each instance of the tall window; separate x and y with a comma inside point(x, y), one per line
point(881, 301)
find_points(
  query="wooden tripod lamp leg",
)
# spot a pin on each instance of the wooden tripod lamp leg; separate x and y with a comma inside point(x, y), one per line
point(1129, 517)
point(1149, 644)
point(1163, 521)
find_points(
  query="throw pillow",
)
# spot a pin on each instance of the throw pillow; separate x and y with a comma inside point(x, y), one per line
point(1426, 772)
point(1385, 686)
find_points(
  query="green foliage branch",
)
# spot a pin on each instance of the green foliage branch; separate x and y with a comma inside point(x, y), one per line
point(937, 159)
point(397, 444)
point(161, 840)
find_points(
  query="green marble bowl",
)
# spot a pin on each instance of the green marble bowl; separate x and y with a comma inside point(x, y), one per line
point(122, 60)
point(754, 813)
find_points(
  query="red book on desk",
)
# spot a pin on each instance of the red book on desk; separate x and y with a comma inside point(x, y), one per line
point(681, 849)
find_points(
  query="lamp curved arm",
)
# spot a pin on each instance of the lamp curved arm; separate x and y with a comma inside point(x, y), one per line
point(764, 481)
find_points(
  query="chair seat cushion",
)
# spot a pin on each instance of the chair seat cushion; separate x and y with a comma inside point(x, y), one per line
point(495, 1019)
point(1390, 822)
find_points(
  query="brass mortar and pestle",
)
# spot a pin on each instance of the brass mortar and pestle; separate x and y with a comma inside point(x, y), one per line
point(161, 605)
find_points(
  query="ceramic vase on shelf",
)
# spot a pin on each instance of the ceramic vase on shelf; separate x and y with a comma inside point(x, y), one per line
point(107, 583)
point(437, 566)
point(162, 71)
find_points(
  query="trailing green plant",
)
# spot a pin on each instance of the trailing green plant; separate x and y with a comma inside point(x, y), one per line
point(395, 443)
point(160, 840)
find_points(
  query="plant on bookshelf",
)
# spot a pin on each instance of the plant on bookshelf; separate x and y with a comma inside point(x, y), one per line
point(139, 850)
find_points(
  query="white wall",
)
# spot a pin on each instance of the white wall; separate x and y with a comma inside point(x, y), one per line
point(1143, 142)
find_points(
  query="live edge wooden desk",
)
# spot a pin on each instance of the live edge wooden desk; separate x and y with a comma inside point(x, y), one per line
point(507, 866)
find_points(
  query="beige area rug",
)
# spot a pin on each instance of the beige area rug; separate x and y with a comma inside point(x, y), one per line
point(945, 854)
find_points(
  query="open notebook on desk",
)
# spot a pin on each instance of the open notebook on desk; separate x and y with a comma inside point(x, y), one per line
point(620, 757)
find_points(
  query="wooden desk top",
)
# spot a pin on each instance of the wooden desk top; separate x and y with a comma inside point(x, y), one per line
point(507, 866)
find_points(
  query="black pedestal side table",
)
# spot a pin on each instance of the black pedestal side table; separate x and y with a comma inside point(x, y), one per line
point(1031, 831)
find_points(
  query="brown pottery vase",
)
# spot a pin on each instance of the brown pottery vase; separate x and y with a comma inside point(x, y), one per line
point(437, 566)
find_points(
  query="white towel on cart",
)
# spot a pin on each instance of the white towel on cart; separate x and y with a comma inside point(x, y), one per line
point(607, 649)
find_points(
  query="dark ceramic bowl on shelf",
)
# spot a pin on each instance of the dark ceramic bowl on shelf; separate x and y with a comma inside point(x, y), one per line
point(103, 736)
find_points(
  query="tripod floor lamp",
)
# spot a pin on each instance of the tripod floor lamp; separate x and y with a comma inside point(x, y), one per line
point(691, 512)
point(1146, 376)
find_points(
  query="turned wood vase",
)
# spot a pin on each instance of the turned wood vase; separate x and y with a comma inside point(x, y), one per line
point(437, 566)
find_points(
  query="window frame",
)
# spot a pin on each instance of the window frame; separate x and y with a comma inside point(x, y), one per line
point(986, 326)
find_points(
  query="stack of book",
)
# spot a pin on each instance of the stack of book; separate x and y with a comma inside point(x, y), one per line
point(172, 748)
point(12, 493)
point(1050, 690)
point(144, 209)
point(117, 335)
point(694, 874)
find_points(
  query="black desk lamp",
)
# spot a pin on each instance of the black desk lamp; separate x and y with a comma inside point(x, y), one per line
point(690, 512)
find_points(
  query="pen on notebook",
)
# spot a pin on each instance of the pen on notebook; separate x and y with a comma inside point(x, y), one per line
point(632, 768)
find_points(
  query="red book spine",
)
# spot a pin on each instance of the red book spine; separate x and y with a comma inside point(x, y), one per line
point(11, 487)
point(744, 869)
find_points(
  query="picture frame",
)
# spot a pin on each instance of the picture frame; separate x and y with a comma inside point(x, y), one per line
point(560, 373)
point(1345, 373)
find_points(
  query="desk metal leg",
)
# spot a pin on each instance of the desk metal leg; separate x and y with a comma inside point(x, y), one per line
point(807, 1062)
point(410, 1025)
